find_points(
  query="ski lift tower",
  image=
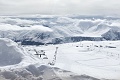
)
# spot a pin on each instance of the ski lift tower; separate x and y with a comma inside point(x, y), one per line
point(54, 58)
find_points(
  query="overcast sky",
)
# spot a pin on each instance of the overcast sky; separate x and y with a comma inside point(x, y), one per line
point(60, 7)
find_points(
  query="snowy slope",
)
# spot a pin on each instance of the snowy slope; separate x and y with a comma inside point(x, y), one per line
point(17, 63)
point(100, 59)
point(8, 54)
point(13, 55)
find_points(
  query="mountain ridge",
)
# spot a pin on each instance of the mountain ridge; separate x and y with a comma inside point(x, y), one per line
point(59, 28)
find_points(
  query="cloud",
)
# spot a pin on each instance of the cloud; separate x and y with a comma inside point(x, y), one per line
point(6, 27)
point(104, 7)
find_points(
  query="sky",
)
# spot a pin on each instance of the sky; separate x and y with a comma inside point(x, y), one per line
point(60, 7)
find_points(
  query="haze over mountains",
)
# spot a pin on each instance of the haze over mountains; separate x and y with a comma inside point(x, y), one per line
point(59, 29)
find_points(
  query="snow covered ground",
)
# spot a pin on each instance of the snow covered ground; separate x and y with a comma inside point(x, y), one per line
point(14, 56)
point(21, 63)
point(100, 59)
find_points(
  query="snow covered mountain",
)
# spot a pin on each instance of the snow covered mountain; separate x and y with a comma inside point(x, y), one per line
point(59, 29)
point(89, 55)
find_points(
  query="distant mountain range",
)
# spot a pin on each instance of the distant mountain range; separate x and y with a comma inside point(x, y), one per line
point(59, 29)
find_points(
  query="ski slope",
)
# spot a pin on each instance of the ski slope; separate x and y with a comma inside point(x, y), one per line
point(21, 63)
point(100, 59)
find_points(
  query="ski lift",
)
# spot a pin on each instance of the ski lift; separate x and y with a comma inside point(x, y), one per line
point(54, 59)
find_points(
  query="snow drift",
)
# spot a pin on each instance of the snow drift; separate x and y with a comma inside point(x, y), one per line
point(9, 53)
